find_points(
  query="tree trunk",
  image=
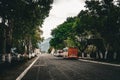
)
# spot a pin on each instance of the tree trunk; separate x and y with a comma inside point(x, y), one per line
point(103, 53)
point(110, 55)
point(27, 45)
point(106, 52)
point(9, 39)
point(9, 36)
point(3, 50)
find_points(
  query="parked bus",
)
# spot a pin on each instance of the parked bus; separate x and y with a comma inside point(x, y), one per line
point(70, 52)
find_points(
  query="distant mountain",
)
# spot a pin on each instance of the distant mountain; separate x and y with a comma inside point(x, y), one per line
point(44, 46)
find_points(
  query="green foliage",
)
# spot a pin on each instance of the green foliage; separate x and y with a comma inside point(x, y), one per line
point(24, 18)
point(61, 33)
point(49, 50)
point(69, 42)
point(106, 19)
point(100, 21)
point(90, 49)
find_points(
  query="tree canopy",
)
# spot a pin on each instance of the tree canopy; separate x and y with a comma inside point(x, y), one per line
point(21, 21)
point(99, 21)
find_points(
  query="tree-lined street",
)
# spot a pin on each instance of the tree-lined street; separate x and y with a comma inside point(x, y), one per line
point(89, 33)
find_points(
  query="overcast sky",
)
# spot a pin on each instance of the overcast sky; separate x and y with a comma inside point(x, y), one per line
point(61, 9)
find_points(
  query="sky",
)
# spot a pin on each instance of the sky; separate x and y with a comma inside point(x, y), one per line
point(61, 9)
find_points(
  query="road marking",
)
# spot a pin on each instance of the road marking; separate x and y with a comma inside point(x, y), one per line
point(39, 65)
point(37, 77)
point(51, 75)
point(26, 70)
point(116, 65)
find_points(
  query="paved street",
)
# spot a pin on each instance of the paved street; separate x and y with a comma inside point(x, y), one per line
point(48, 67)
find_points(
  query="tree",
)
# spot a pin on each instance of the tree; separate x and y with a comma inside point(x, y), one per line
point(22, 17)
point(97, 25)
point(62, 33)
point(102, 17)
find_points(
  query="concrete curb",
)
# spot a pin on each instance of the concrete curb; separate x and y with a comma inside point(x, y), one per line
point(97, 62)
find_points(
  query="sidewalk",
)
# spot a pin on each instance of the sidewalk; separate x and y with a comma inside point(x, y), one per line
point(10, 71)
point(5, 66)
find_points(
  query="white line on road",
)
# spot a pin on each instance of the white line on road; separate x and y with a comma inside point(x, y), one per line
point(26, 70)
point(116, 65)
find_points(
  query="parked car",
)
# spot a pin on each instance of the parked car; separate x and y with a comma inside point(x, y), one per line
point(16, 56)
point(58, 53)
point(34, 54)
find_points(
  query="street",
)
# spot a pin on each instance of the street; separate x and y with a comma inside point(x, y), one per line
point(48, 67)
point(59, 39)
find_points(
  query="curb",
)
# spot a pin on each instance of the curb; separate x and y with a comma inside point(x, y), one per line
point(97, 62)
point(26, 70)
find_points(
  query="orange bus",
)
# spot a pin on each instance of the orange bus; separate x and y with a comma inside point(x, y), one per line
point(70, 52)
